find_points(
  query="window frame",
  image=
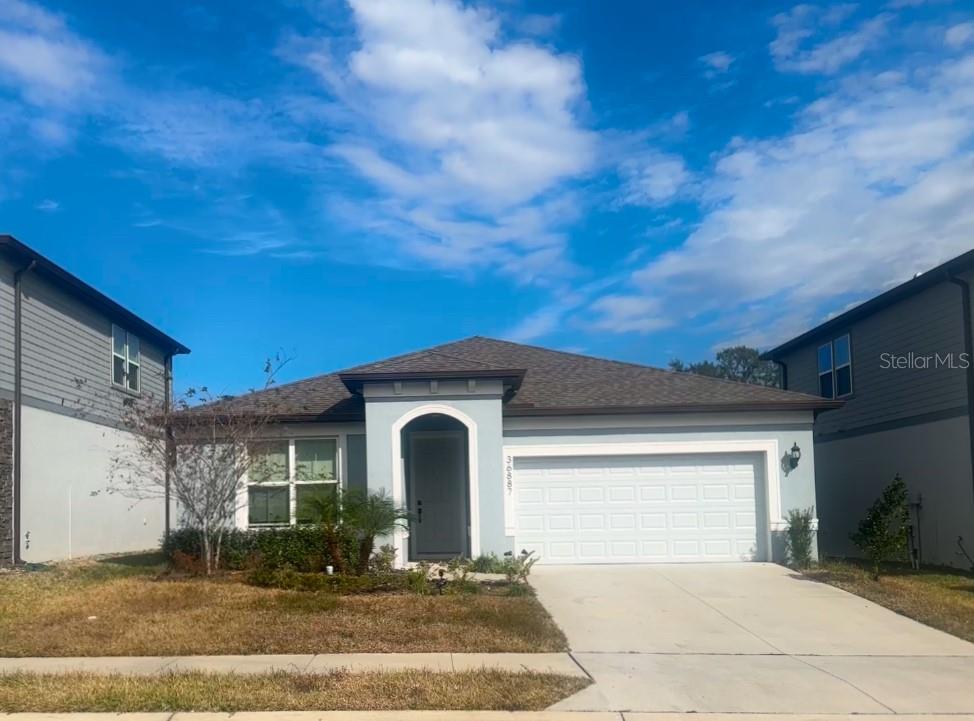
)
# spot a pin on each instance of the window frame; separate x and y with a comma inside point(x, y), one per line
point(127, 361)
point(291, 481)
point(834, 368)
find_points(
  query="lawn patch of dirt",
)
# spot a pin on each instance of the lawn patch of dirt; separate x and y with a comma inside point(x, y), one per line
point(101, 609)
point(939, 597)
point(282, 691)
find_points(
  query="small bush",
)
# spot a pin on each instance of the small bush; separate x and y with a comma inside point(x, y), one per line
point(883, 533)
point(291, 580)
point(303, 548)
point(383, 560)
point(487, 563)
point(800, 539)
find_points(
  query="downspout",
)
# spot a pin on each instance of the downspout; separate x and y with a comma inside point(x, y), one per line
point(168, 404)
point(18, 400)
point(969, 350)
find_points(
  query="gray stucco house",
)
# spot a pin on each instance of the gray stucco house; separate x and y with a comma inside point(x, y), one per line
point(499, 447)
point(902, 362)
point(68, 357)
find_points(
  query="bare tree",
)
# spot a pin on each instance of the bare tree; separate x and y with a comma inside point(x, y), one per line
point(196, 451)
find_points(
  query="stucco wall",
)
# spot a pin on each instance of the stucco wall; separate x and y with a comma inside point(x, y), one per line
point(66, 511)
point(381, 416)
point(933, 459)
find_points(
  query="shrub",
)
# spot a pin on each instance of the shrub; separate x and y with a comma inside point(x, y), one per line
point(291, 580)
point(518, 568)
point(800, 538)
point(487, 563)
point(303, 548)
point(383, 560)
point(883, 533)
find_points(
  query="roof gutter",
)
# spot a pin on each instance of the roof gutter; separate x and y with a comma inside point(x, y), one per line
point(18, 401)
point(965, 289)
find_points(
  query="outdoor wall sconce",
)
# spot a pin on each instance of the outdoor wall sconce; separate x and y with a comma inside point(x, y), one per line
point(794, 455)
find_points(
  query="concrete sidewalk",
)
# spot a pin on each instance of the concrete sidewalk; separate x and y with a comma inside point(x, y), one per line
point(560, 663)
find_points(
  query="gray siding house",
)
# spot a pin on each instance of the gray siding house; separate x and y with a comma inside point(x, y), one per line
point(498, 447)
point(902, 364)
point(69, 356)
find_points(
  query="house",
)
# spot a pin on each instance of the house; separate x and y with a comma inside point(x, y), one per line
point(499, 447)
point(902, 362)
point(69, 355)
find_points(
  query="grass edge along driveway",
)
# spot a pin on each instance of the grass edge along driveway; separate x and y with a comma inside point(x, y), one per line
point(936, 596)
point(486, 689)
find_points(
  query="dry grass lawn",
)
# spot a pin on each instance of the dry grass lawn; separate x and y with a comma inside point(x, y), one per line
point(939, 597)
point(99, 609)
point(339, 691)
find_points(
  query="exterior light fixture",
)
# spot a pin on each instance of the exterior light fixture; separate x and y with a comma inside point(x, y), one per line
point(794, 455)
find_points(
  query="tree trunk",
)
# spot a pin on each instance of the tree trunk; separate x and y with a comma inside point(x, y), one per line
point(365, 553)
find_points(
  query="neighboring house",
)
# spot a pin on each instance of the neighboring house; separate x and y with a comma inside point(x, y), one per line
point(68, 357)
point(901, 362)
point(498, 447)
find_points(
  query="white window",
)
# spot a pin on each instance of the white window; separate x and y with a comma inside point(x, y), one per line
point(126, 360)
point(835, 368)
point(290, 480)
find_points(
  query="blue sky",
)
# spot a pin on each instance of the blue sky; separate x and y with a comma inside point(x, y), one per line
point(343, 182)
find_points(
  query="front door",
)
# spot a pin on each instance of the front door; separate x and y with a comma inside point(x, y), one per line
point(437, 495)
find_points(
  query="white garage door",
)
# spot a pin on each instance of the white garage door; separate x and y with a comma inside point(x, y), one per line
point(637, 509)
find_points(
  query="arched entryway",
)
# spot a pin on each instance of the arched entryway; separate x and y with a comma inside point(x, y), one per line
point(436, 469)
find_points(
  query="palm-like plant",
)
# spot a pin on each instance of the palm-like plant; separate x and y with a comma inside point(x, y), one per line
point(369, 516)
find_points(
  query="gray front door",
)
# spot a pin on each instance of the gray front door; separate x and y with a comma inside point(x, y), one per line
point(437, 495)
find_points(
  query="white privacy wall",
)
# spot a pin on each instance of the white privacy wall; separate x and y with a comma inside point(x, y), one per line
point(66, 511)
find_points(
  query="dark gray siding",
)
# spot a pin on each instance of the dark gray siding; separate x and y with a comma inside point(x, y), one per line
point(928, 323)
point(67, 351)
point(357, 473)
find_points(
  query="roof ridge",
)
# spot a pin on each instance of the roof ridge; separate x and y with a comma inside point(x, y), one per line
point(400, 356)
point(631, 364)
point(468, 360)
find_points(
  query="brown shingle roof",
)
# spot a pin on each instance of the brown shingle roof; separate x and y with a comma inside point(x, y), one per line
point(554, 382)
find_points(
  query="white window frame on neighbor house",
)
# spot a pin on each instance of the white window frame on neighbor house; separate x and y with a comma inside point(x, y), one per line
point(834, 368)
point(126, 359)
point(291, 481)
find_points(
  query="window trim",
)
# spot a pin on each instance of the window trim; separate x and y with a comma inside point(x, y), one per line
point(833, 368)
point(124, 385)
point(292, 481)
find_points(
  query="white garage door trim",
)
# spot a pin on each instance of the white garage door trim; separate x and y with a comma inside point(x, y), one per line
point(768, 448)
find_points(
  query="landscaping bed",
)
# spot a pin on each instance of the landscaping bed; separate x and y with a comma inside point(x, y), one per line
point(124, 608)
point(939, 597)
point(282, 691)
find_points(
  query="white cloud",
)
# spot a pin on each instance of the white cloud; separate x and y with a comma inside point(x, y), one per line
point(959, 35)
point(630, 313)
point(805, 23)
point(206, 130)
point(717, 63)
point(42, 60)
point(48, 206)
point(467, 137)
point(872, 186)
point(653, 178)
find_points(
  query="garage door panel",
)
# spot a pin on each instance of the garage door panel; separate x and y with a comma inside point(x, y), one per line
point(694, 508)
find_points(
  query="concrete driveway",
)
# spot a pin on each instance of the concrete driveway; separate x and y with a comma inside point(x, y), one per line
point(747, 638)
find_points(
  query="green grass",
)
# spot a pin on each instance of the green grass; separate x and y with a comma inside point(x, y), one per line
point(111, 609)
point(937, 596)
point(282, 691)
